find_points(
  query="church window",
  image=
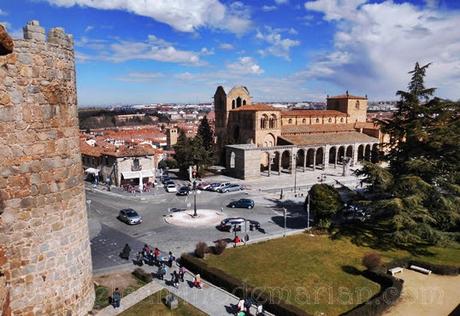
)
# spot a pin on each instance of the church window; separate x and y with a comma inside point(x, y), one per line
point(290, 121)
point(238, 102)
point(233, 104)
point(357, 105)
point(244, 102)
point(264, 121)
point(330, 120)
point(317, 120)
point(304, 121)
point(341, 120)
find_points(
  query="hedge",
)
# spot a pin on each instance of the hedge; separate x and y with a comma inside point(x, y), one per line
point(389, 293)
point(142, 275)
point(435, 268)
point(219, 278)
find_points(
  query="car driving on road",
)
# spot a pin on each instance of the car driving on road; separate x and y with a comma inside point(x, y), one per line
point(129, 216)
point(230, 188)
point(242, 203)
point(171, 188)
point(185, 190)
point(220, 186)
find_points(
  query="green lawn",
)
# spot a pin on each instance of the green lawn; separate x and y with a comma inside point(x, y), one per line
point(317, 274)
point(154, 306)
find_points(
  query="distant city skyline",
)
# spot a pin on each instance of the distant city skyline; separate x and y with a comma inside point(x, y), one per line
point(132, 52)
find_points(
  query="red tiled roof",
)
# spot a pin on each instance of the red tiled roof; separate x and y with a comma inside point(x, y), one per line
point(255, 107)
point(104, 148)
point(347, 96)
point(316, 128)
point(329, 138)
point(368, 125)
point(313, 113)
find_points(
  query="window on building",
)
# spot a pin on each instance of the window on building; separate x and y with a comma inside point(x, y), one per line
point(233, 104)
point(357, 105)
point(317, 120)
point(244, 102)
point(238, 102)
point(290, 121)
point(136, 165)
point(341, 120)
point(304, 121)
point(330, 120)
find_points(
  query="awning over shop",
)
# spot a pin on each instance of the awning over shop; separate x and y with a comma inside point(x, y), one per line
point(92, 171)
point(137, 174)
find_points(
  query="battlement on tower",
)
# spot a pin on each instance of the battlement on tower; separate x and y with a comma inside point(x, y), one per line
point(45, 258)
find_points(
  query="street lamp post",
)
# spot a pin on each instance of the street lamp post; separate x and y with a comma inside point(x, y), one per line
point(284, 215)
point(295, 175)
point(194, 199)
point(308, 210)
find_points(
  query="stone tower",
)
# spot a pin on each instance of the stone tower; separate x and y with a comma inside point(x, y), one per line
point(171, 136)
point(238, 96)
point(354, 106)
point(45, 262)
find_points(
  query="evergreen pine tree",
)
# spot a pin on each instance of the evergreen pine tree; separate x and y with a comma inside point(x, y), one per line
point(206, 133)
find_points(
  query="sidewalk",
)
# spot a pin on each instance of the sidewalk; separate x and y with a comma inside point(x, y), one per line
point(212, 300)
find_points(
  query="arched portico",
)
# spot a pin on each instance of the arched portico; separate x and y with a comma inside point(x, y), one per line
point(286, 162)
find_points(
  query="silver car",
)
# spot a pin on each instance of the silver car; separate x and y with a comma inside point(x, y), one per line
point(231, 188)
point(129, 216)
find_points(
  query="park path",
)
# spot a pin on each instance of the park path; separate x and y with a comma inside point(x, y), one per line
point(210, 299)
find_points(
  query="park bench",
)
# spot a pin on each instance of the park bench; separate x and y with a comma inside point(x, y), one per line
point(396, 270)
point(420, 269)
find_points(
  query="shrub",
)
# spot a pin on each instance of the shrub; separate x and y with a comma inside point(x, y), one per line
point(142, 275)
point(220, 246)
point(372, 260)
point(201, 249)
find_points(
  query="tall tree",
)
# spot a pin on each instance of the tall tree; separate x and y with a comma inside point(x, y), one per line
point(183, 153)
point(424, 139)
point(206, 133)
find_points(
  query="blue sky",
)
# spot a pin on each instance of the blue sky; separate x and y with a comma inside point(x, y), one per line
point(133, 51)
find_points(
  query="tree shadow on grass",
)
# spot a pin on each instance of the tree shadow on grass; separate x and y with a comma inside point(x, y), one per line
point(351, 270)
point(291, 222)
point(376, 235)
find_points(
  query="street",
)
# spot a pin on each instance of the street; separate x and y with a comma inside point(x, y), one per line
point(112, 234)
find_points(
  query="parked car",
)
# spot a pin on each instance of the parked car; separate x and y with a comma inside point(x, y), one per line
point(242, 203)
point(237, 224)
point(171, 188)
point(185, 190)
point(203, 186)
point(129, 216)
point(165, 179)
point(221, 186)
point(231, 188)
point(169, 182)
point(212, 186)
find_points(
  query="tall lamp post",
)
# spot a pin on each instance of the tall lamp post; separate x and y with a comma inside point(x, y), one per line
point(194, 199)
point(308, 210)
point(295, 174)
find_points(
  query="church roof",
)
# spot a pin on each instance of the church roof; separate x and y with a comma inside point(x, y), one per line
point(316, 128)
point(255, 107)
point(313, 113)
point(329, 138)
point(237, 88)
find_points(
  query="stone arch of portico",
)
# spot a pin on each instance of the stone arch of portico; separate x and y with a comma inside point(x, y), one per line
point(367, 152)
point(265, 162)
point(340, 154)
point(276, 162)
point(286, 162)
point(361, 152)
point(310, 157)
point(300, 158)
point(375, 153)
point(333, 155)
point(269, 140)
point(349, 152)
point(320, 157)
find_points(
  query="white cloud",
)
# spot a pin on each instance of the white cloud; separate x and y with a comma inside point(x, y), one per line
point(226, 46)
point(185, 76)
point(245, 65)
point(278, 46)
point(89, 28)
point(120, 50)
point(281, 1)
point(3, 13)
point(377, 43)
point(141, 76)
point(206, 52)
point(269, 8)
point(182, 15)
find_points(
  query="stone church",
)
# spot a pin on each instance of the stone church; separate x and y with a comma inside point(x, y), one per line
point(260, 140)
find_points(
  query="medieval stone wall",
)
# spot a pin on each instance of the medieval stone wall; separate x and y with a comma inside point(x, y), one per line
point(43, 220)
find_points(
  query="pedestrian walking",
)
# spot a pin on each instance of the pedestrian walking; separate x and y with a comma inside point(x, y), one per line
point(156, 254)
point(125, 252)
point(171, 259)
point(116, 298)
point(175, 279)
point(240, 305)
point(247, 305)
point(197, 281)
point(181, 273)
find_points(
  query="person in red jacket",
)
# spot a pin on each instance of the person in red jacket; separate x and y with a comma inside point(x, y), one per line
point(236, 240)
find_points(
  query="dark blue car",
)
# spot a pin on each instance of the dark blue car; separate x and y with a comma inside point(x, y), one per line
point(242, 203)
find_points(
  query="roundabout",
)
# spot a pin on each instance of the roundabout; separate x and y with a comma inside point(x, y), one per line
point(205, 217)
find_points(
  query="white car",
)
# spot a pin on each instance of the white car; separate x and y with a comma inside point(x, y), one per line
point(221, 186)
point(171, 188)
